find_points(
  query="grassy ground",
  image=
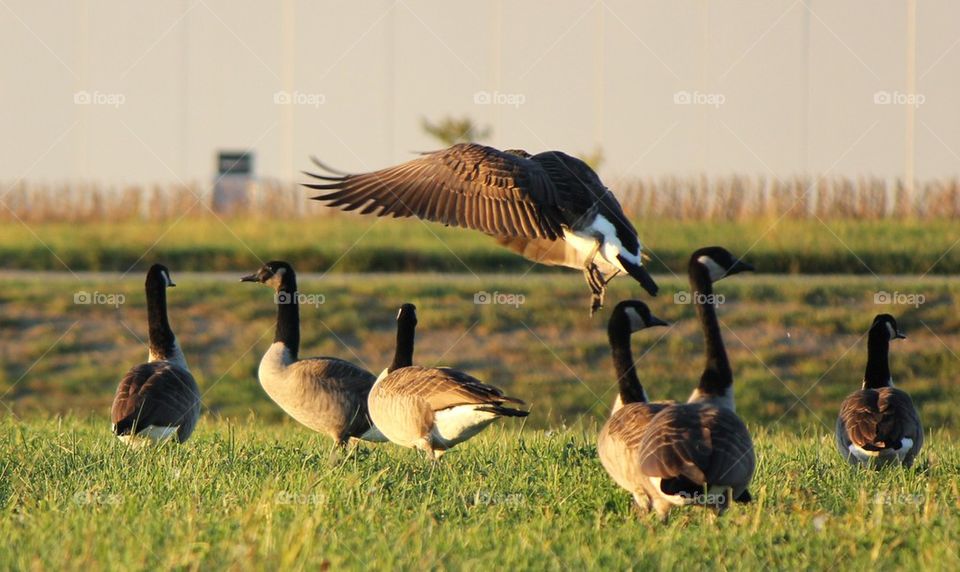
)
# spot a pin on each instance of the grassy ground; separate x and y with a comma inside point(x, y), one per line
point(245, 495)
point(345, 243)
point(796, 343)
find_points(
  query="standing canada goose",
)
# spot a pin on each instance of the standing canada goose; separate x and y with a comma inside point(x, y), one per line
point(551, 208)
point(700, 452)
point(432, 408)
point(157, 400)
point(619, 439)
point(328, 395)
point(879, 425)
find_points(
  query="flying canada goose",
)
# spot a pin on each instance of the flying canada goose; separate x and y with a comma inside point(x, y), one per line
point(551, 208)
point(328, 395)
point(157, 400)
point(700, 452)
point(432, 408)
point(879, 425)
point(620, 436)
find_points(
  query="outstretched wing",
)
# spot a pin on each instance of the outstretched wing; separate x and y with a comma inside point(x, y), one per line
point(467, 185)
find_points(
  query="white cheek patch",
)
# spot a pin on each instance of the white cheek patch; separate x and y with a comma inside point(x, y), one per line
point(716, 271)
point(281, 271)
point(636, 322)
point(166, 278)
point(893, 333)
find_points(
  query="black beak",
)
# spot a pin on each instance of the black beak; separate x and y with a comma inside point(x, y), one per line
point(640, 274)
point(250, 278)
point(172, 285)
point(741, 266)
point(900, 336)
point(655, 321)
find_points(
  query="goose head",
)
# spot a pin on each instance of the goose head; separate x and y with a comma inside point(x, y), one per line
point(718, 262)
point(631, 316)
point(885, 326)
point(273, 273)
point(407, 314)
point(159, 276)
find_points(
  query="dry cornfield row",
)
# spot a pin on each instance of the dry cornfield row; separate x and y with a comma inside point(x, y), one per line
point(679, 198)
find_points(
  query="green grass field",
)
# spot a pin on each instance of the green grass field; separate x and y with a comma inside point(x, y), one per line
point(345, 243)
point(245, 495)
point(253, 490)
point(797, 343)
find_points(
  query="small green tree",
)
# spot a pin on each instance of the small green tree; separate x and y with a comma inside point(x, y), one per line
point(453, 130)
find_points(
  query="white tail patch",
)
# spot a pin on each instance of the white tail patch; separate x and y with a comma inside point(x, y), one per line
point(150, 435)
point(610, 245)
point(864, 455)
point(457, 424)
point(713, 496)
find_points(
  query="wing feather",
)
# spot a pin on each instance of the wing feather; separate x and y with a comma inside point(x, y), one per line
point(466, 185)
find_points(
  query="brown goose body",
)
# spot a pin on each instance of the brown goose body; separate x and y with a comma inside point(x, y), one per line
point(528, 202)
point(700, 452)
point(618, 445)
point(325, 394)
point(157, 400)
point(696, 454)
point(434, 409)
point(619, 439)
point(879, 427)
point(879, 424)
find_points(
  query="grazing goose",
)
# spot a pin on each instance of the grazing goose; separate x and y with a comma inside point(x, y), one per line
point(620, 436)
point(432, 408)
point(551, 208)
point(157, 400)
point(700, 452)
point(879, 425)
point(328, 395)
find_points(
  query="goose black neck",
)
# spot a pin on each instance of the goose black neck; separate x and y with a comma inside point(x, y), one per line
point(717, 376)
point(162, 340)
point(403, 355)
point(618, 333)
point(288, 314)
point(877, 373)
